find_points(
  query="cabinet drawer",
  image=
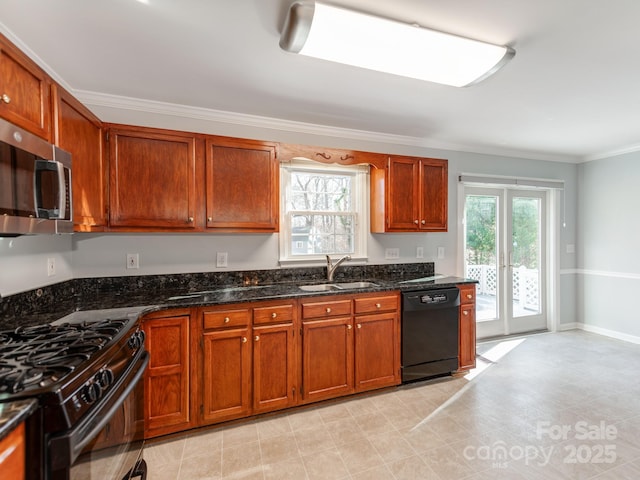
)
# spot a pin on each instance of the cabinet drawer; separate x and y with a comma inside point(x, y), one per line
point(226, 318)
point(274, 314)
point(467, 294)
point(376, 304)
point(326, 309)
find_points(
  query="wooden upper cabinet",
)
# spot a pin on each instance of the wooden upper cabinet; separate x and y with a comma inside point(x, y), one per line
point(153, 179)
point(79, 132)
point(410, 195)
point(25, 97)
point(242, 188)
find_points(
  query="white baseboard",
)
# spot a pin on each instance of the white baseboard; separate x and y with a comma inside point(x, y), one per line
point(609, 333)
point(563, 327)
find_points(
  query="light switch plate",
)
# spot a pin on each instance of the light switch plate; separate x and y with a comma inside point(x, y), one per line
point(419, 252)
point(440, 253)
point(222, 259)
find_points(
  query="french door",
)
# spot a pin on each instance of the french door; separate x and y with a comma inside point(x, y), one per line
point(505, 242)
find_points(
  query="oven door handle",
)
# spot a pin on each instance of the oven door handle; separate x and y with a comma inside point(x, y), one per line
point(68, 447)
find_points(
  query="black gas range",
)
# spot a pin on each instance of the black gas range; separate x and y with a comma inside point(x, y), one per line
point(86, 377)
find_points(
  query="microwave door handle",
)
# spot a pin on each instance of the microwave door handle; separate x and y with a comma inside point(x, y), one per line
point(62, 191)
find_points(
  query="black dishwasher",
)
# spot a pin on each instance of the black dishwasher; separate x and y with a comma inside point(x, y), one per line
point(429, 333)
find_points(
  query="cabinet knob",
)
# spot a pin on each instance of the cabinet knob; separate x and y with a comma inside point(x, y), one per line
point(328, 310)
point(349, 327)
point(378, 305)
point(244, 339)
point(465, 313)
point(424, 221)
point(256, 338)
point(227, 319)
point(359, 326)
point(469, 296)
point(416, 222)
point(274, 315)
point(190, 220)
point(209, 219)
point(6, 98)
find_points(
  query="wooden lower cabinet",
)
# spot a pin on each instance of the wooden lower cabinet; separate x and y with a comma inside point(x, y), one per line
point(274, 367)
point(327, 358)
point(467, 322)
point(251, 366)
point(226, 374)
point(167, 399)
point(376, 351)
point(12, 454)
point(345, 354)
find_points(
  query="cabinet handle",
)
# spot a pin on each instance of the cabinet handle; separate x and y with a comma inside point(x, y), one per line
point(359, 326)
point(6, 98)
point(244, 339)
point(257, 337)
point(226, 319)
point(209, 219)
point(349, 327)
point(378, 305)
point(416, 222)
point(274, 315)
point(190, 220)
point(328, 310)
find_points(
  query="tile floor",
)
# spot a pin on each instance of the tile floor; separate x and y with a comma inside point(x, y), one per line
point(547, 406)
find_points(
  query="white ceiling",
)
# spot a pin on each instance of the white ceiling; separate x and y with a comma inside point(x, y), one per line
point(572, 92)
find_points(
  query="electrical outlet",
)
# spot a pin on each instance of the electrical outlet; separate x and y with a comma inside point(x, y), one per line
point(133, 260)
point(419, 252)
point(440, 253)
point(51, 267)
point(391, 253)
point(222, 259)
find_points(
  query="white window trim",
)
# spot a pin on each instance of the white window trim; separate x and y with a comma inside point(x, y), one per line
point(361, 209)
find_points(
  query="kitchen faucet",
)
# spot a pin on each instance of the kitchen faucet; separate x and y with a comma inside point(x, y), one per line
point(331, 268)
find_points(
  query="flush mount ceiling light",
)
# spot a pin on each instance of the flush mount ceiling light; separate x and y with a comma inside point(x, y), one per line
point(353, 38)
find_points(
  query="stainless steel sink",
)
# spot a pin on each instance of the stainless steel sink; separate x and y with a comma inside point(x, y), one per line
point(327, 287)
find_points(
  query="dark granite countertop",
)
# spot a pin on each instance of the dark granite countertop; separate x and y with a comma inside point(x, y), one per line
point(128, 303)
point(111, 297)
point(13, 413)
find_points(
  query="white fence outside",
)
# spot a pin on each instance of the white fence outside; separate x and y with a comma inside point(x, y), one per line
point(526, 284)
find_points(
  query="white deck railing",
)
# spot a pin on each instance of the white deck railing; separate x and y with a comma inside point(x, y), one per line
point(526, 283)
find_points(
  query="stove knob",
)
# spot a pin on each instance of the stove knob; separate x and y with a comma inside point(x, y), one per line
point(136, 340)
point(91, 393)
point(104, 378)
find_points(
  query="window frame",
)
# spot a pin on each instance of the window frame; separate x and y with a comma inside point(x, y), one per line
point(360, 209)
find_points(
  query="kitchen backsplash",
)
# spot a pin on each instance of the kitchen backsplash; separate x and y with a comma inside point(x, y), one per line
point(52, 302)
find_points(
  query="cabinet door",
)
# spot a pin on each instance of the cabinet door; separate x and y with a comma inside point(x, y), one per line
point(166, 392)
point(377, 352)
point(226, 375)
point(242, 185)
point(12, 454)
point(152, 179)
point(327, 358)
point(467, 343)
point(24, 91)
point(79, 132)
point(402, 194)
point(274, 367)
point(433, 195)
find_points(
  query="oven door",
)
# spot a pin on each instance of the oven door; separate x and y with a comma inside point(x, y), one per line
point(107, 443)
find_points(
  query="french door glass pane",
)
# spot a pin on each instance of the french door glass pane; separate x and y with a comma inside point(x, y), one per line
point(481, 252)
point(526, 256)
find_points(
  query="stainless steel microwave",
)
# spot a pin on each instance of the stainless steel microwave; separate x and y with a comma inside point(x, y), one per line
point(35, 184)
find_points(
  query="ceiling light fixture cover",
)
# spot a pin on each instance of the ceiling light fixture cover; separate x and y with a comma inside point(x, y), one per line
point(345, 36)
